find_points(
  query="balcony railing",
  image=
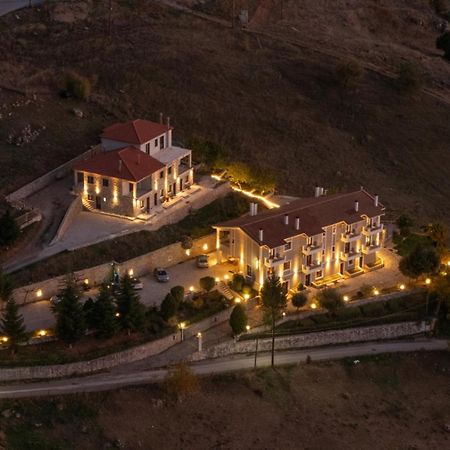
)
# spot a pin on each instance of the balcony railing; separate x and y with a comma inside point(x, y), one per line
point(311, 248)
point(372, 229)
point(183, 168)
point(351, 236)
point(368, 249)
point(274, 260)
point(313, 266)
point(349, 255)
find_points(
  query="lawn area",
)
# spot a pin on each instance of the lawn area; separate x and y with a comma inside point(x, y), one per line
point(120, 249)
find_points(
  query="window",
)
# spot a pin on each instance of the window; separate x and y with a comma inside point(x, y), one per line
point(80, 177)
point(287, 266)
point(285, 285)
point(147, 148)
point(323, 252)
point(308, 260)
point(350, 262)
point(169, 170)
point(288, 246)
point(142, 203)
point(310, 240)
point(105, 182)
point(170, 188)
point(347, 247)
point(333, 229)
point(161, 174)
point(161, 142)
point(90, 197)
point(319, 274)
point(333, 249)
point(156, 142)
point(130, 187)
point(249, 270)
point(348, 228)
point(90, 179)
point(162, 192)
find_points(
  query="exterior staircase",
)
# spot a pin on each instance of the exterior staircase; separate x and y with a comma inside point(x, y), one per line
point(226, 291)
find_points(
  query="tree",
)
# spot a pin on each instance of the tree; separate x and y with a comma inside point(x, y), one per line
point(9, 230)
point(178, 294)
point(104, 318)
point(423, 260)
point(349, 74)
point(70, 320)
point(443, 43)
point(77, 86)
point(330, 299)
point(438, 232)
point(12, 325)
point(404, 224)
point(169, 307)
point(207, 283)
point(131, 310)
point(273, 298)
point(299, 299)
point(88, 310)
point(237, 283)
point(6, 286)
point(238, 320)
point(409, 78)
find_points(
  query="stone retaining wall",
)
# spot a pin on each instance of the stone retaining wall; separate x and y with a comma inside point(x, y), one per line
point(72, 212)
point(374, 333)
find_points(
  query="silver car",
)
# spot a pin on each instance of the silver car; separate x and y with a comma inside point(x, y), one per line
point(161, 275)
point(202, 261)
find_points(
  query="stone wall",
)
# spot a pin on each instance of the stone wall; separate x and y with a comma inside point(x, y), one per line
point(141, 265)
point(374, 333)
point(72, 212)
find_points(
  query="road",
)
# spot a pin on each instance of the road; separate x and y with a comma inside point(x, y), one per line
point(7, 6)
point(105, 381)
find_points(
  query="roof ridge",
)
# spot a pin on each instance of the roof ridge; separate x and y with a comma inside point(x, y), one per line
point(133, 123)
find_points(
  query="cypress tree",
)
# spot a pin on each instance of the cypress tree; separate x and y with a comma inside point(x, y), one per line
point(238, 320)
point(12, 325)
point(131, 310)
point(104, 318)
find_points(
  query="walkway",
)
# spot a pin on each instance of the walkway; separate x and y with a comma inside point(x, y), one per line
point(107, 381)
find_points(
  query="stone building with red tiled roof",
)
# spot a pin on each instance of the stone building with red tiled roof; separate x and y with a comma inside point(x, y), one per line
point(137, 169)
point(314, 241)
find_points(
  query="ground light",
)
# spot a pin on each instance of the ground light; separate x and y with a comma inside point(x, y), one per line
point(402, 287)
point(313, 305)
point(237, 300)
point(376, 292)
point(428, 281)
point(345, 298)
point(191, 289)
point(246, 296)
point(217, 279)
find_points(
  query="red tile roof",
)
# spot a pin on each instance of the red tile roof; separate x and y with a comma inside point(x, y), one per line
point(135, 132)
point(314, 214)
point(127, 164)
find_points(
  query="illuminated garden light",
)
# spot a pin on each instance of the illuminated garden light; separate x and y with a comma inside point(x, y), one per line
point(345, 298)
point(428, 281)
point(402, 287)
point(313, 306)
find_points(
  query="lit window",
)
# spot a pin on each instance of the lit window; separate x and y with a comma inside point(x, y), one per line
point(287, 266)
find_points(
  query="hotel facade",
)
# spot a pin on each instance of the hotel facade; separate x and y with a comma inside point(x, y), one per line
point(314, 241)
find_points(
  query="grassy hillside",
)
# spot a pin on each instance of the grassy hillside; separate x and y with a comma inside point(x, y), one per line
point(269, 96)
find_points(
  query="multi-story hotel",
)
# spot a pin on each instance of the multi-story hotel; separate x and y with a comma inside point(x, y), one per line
point(136, 169)
point(314, 241)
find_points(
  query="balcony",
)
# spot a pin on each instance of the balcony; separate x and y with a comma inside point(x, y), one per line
point(350, 255)
point(315, 265)
point(369, 249)
point(274, 261)
point(312, 248)
point(371, 230)
point(183, 168)
point(350, 237)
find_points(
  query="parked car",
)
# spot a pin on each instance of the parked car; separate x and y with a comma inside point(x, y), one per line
point(202, 261)
point(55, 299)
point(137, 283)
point(161, 275)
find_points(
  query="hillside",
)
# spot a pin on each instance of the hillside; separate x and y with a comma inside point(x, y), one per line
point(268, 95)
point(379, 403)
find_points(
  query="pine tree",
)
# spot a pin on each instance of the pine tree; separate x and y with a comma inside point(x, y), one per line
point(70, 320)
point(9, 230)
point(238, 320)
point(169, 307)
point(104, 318)
point(12, 325)
point(6, 287)
point(131, 310)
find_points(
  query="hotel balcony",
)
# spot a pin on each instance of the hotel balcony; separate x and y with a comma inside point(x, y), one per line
point(274, 261)
point(369, 249)
point(350, 237)
point(183, 168)
point(312, 249)
point(315, 265)
point(350, 255)
point(371, 230)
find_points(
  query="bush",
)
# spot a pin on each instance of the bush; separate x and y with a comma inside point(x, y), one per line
point(321, 319)
point(299, 300)
point(330, 299)
point(366, 290)
point(238, 282)
point(349, 74)
point(181, 382)
point(395, 304)
point(348, 313)
point(238, 320)
point(207, 283)
point(169, 307)
point(178, 294)
point(409, 78)
point(374, 309)
point(77, 86)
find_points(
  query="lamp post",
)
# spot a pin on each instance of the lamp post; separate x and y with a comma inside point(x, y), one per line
point(182, 326)
point(200, 341)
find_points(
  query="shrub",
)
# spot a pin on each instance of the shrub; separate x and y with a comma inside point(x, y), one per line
point(348, 313)
point(237, 283)
point(169, 307)
point(178, 294)
point(366, 290)
point(207, 283)
point(349, 74)
point(181, 382)
point(301, 287)
point(321, 319)
point(395, 305)
point(299, 299)
point(77, 86)
point(330, 299)
point(238, 320)
point(422, 260)
point(409, 78)
point(374, 309)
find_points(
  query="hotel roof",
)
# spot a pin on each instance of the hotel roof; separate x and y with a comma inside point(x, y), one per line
point(135, 132)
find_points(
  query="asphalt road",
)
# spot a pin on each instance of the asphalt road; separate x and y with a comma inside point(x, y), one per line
point(7, 6)
point(104, 381)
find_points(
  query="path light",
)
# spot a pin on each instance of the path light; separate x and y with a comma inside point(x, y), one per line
point(117, 314)
point(86, 281)
point(39, 293)
point(191, 289)
point(448, 263)
point(237, 300)
point(5, 339)
point(247, 327)
point(131, 272)
point(217, 279)
point(376, 292)
point(345, 298)
point(42, 333)
point(226, 277)
point(428, 281)
point(313, 306)
point(205, 247)
point(283, 314)
point(402, 287)
point(246, 296)
point(188, 252)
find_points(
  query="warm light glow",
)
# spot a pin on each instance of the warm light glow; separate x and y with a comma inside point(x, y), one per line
point(402, 287)
point(188, 252)
point(247, 327)
point(226, 277)
point(182, 325)
point(313, 305)
point(191, 289)
point(216, 177)
point(5, 339)
point(283, 314)
point(199, 335)
point(448, 263)
point(205, 247)
point(428, 281)
point(97, 190)
point(217, 279)
point(86, 281)
point(246, 296)
point(237, 300)
point(39, 293)
point(346, 298)
point(376, 292)
point(117, 314)
point(42, 333)
point(131, 272)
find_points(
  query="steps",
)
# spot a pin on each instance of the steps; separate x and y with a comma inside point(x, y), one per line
point(226, 291)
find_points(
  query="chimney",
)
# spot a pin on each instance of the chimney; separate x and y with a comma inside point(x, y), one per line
point(321, 191)
point(168, 122)
point(297, 223)
point(161, 118)
point(286, 219)
point(375, 200)
point(261, 235)
point(120, 165)
point(317, 191)
point(356, 206)
point(255, 208)
point(252, 209)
